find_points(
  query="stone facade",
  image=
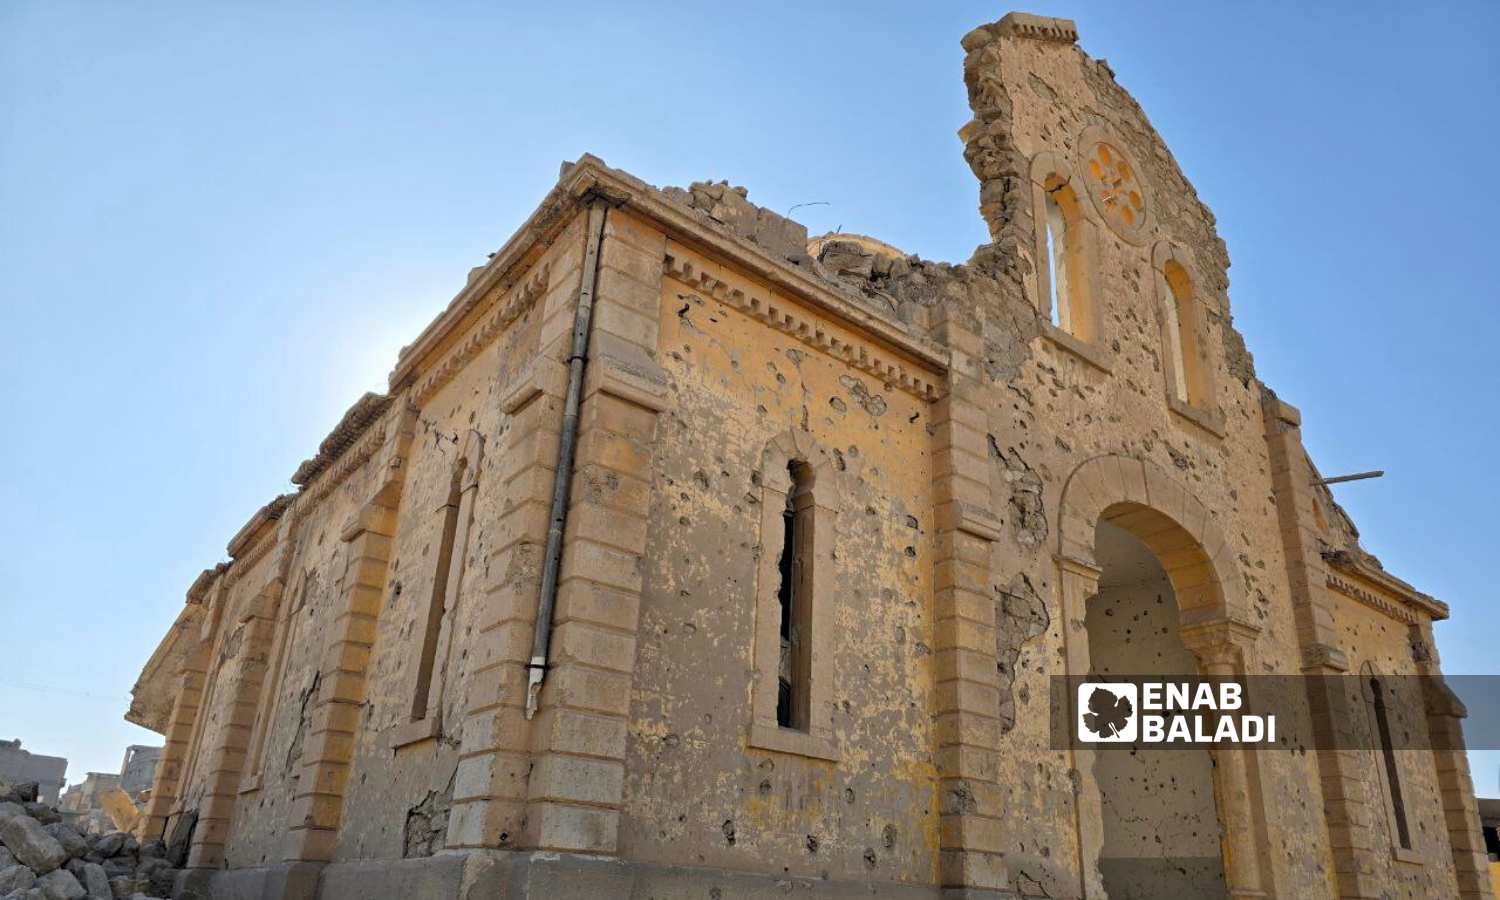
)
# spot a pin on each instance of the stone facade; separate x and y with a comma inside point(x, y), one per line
point(138, 769)
point(832, 520)
point(82, 804)
point(19, 766)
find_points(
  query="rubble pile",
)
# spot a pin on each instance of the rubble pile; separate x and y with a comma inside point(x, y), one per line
point(43, 858)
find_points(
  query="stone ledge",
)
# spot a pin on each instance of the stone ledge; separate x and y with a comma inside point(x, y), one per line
point(798, 743)
point(408, 733)
point(1210, 420)
point(1094, 355)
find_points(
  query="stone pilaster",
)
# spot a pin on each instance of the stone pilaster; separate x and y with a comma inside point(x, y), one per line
point(1334, 701)
point(224, 763)
point(1445, 715)
point(967, 695)
point(317, 807)
point(576, 785)
point(489, 790)
point(556, 782)
point(167, 783)
point(1221, 650)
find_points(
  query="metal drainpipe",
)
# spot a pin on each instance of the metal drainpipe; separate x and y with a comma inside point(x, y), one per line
point(562, 487)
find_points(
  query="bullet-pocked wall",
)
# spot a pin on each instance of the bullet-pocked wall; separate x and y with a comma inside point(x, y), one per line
point(697, 787)
point(833, 531)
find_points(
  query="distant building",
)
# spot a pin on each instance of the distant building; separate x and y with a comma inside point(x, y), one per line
point(85, 802)
point(19, 766)
point(138, 769)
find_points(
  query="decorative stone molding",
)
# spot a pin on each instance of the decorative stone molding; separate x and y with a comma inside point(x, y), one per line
point(1363, 581)
point(366, 409)
point(1147, 501)
point(1116, 184)
point(792, 319)
point(644, 385)
point(349, 462)
point(480, 336)
point(1040, 28)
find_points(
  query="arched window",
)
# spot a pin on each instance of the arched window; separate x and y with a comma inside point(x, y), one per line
point(1066, 279)
point(1184, 360)
point(1063, 269)
point(794, 599)
point(1057, 242)
point(1181, 334)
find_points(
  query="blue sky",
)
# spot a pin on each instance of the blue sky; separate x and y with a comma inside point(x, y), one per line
point(219, 222)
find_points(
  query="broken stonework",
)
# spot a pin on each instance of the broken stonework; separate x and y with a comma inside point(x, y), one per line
point(15, 878)
point(32, 845)
point(54, 862)
point(96, 882)
point(61, 885)
point(427, 825)
point(1020, 616)
point(729, 206)
point(72, 842)
point(839, 519)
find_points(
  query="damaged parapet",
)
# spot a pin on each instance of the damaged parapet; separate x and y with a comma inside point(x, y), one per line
point(730, 206)
point(364, 411)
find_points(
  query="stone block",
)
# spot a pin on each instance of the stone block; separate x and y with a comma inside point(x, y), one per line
point(32, 846)
point(60, 885)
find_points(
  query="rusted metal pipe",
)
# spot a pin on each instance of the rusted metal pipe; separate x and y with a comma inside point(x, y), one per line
point(583, 317)
point(1357, 476)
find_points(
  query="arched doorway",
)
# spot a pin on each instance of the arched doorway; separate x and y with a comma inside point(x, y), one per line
point(1162, 835)
point(1181, 546)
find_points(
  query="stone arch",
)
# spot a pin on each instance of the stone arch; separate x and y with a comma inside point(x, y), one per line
point(797, 445)
point(1147, 501)
point(1216, 625)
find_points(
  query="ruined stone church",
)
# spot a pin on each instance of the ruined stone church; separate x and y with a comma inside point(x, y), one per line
point(685, 556)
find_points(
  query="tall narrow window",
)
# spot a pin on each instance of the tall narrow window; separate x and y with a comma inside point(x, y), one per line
point(1181, 334)
point(794, 600)
point(1057, 263)
point(438, 601)
point(1388, 753)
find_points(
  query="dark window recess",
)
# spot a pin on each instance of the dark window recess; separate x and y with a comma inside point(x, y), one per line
point(1392, 775)
point(792, 675)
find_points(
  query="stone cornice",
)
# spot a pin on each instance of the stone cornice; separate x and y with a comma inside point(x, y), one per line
point(355, 454)
point(264, 519)
point(793, 320)
point(591, 177)
point(1361, 580)
point(365, 410)
point(482, 334)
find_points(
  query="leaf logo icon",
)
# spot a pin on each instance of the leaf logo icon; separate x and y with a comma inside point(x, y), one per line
point(1108, 714)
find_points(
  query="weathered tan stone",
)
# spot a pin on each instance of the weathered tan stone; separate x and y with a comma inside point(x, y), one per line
point(964, 474)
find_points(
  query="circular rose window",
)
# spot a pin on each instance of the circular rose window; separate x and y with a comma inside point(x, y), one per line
point(1116, 187)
